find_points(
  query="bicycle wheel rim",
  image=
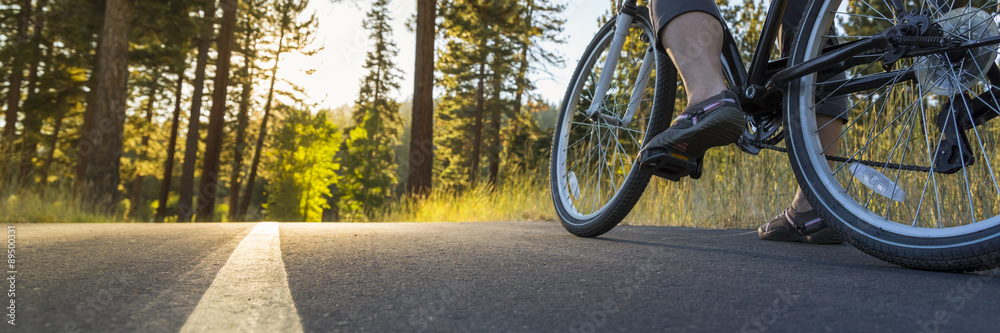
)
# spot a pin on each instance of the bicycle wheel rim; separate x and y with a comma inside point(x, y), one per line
point(574, 161)
point(928, 216)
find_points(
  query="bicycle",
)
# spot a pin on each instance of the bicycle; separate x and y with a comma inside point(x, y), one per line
point(913, 182)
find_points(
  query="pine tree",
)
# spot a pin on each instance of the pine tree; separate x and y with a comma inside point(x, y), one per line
point(422, 122)
point(479, 70)
point(213, 143)
point(293, 33)
point(539, 22)
point(369, 164)
point(102, 176)
point(255, 14)
point(303, 167)
point(14, 90)
point(185, 208)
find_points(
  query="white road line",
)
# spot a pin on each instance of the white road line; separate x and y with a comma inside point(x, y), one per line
point(250, 293)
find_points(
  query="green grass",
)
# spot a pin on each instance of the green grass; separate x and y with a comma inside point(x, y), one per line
point(737, 191)
point(55, 205)
point(520, 198)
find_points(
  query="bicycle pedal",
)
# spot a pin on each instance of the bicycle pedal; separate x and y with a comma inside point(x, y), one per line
point(671, 164)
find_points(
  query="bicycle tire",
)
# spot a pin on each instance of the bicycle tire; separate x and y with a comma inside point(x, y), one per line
point(608, 213)
point(887, 222)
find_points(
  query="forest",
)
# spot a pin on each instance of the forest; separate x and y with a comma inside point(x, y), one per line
point(177, 111)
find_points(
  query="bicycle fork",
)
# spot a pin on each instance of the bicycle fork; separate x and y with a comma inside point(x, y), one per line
point(622, 26)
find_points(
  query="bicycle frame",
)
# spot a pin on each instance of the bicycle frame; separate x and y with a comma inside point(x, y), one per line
point(749, 81)
point(761, 84)
point(832, 60)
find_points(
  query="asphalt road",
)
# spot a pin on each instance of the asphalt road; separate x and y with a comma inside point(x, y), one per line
point(475, 277)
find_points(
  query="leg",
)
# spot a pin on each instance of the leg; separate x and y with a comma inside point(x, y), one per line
point(826, 114)
point(827, 135)
point(694, 42)
point(830, 119)
point(713, 118)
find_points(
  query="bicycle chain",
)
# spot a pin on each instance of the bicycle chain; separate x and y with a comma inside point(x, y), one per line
point(870, 163)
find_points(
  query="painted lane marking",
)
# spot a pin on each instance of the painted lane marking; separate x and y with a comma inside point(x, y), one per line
point(250, 293)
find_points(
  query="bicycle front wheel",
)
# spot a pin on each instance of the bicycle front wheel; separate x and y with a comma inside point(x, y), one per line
point(595, 178)
point(916, 178)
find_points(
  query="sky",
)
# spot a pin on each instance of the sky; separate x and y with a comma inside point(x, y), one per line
point(338, 67)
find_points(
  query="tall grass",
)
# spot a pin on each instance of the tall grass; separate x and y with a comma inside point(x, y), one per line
point(53, 205)
point(519, 197)
point(737, 191)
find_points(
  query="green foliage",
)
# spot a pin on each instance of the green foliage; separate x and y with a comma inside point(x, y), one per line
point(488, 47)
point(304, 166)
point(52, 206)
point(369, 168)
point(527, 144)
point(745, 19)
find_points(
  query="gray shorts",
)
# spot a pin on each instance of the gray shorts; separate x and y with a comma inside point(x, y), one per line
point(662, 11)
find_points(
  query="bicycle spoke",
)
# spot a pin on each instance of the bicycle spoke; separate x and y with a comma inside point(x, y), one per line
point(979, 141)
point(876, 11)
point(965, 173)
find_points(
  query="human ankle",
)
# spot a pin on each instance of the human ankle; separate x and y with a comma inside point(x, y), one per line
point(704, 95)
point(708, 100)
point(798, 217)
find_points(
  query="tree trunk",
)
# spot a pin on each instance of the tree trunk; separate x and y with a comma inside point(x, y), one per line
point(14, 89)
point(31, 134)
point(213, 144)
point(102, 172)
point(168, 165)
point(53, 144)
point(241, 132)
point(252, 175)
point(137, 182)
point(242, 118)
point(85, 145)
point(495, 146)
point(522, 70)
point(186, 190)
point(422, 123)
point(87, 135)
point(477, 126)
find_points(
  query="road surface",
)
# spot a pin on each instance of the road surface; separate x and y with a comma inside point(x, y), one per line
point(469, 277)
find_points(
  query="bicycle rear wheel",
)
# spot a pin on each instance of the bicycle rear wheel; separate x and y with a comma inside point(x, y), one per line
point(906, 189)
point(595, 178)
